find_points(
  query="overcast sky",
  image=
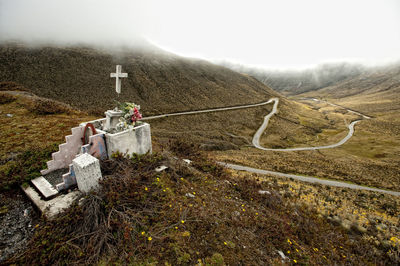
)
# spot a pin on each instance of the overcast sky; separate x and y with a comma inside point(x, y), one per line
point(273, 34)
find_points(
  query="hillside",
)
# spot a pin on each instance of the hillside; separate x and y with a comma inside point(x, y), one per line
point(292, 82)
point(377, 90)
point(160, 82)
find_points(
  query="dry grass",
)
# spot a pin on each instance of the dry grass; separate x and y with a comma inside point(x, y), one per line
point(143, 217)
point(160, 82)
point(28, 138)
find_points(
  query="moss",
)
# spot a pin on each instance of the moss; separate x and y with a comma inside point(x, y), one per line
point(25, 167)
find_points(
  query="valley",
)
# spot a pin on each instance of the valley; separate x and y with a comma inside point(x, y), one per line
point(210, 114)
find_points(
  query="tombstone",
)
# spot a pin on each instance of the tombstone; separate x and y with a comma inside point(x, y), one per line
point(87, 172)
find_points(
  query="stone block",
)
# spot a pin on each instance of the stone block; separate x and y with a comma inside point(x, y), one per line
point(44, 187)
point(134, 140)
point(87, 172)
point(50, 208)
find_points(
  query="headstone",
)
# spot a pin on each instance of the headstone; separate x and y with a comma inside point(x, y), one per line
point(87, 172)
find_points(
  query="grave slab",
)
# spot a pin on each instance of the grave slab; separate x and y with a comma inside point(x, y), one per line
point(52, 207)
point(44, 187)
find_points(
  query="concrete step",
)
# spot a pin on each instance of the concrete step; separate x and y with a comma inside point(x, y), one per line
point(68, 138)
point(77, 131)
point(50, 164)
point(63, 147)
point(44, 187)
point(56, 156)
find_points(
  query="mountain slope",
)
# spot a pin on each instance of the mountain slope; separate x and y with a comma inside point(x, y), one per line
point(299, 81)
point(377, 90)
point(159, 81)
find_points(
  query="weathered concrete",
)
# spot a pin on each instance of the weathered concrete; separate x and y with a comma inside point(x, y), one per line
point(87, 172)
point(52, 207)
point(69, 179)
point(134, 140)
point(67, 151)
point(112, 119)
point(44, 187)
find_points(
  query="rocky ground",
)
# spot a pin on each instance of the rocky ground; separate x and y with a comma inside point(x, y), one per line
point(17, 223)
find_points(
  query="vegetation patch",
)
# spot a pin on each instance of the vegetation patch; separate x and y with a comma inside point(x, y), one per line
point(191, 214)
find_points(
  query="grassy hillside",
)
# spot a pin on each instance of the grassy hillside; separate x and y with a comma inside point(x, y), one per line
point(160, 82)
point(376, 91)
point(292, 82)
point(199, 214)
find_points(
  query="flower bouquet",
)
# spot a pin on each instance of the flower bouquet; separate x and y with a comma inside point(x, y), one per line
point(130, 117)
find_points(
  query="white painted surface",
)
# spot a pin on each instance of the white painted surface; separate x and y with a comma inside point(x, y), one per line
point(44, 187)
point(52, 207)
point(87, 172)
point(112, 119)
point(134, 140)
point(118, 75)
point(67, 151)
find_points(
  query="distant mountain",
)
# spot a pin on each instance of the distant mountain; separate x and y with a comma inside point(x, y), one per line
point(374, 91)
point(296, 82)
point(159, 81)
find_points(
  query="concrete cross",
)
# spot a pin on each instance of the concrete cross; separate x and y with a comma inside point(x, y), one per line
point(118, 75)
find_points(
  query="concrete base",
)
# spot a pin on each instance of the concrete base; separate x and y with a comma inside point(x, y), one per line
point(50, 208)
point(134, 140)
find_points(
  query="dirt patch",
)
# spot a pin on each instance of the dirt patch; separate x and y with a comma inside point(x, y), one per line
point(17, 223)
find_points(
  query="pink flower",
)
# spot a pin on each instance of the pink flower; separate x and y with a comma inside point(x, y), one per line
point(136, 115)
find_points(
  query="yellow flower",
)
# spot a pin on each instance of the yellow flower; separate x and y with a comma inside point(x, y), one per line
point(176, 227)
point(149, 238)
point(295, 261)
point(225, 243)
point(288, 252)
point(143, 232)
point(290, 242)
point(182, 221)
point(244, 210)
point(145, 188)
point(256, 213)
point(194, 193)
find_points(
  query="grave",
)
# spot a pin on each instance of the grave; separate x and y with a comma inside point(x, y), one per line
point(78, 158)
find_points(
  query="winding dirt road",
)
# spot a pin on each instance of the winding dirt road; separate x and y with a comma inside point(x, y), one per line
point(256, 143)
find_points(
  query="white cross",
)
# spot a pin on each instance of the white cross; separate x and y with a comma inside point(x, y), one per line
point(118, 75)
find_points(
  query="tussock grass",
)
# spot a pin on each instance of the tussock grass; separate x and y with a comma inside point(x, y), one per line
point(140, 216)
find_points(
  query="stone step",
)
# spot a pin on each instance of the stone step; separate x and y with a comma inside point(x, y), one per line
point(68, 138)
point(50, 164)
point(63, 147)
point(44, 187)
point(77, 130)
point(56, 156)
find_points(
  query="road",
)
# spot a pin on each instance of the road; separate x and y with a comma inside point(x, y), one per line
point(260, 131)
point(256, 143)
point(207, 111)
point(307, 179)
